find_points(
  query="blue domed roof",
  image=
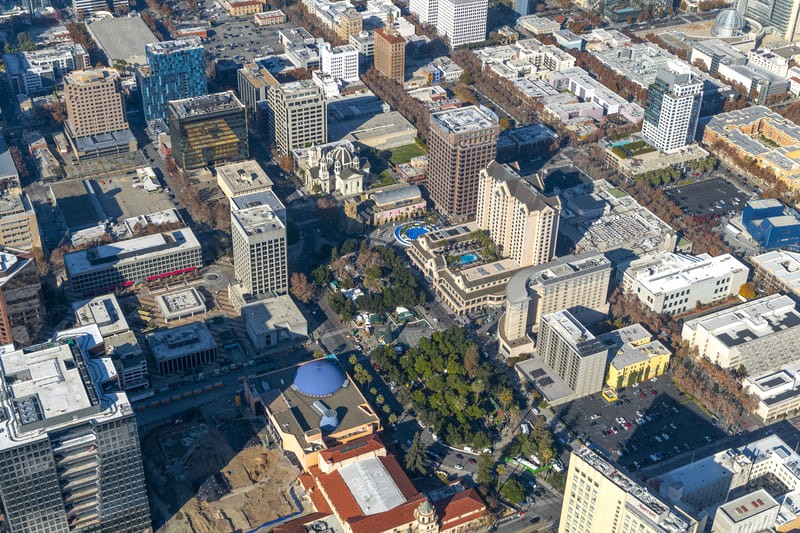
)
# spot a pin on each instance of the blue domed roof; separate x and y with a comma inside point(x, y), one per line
point(319, 378)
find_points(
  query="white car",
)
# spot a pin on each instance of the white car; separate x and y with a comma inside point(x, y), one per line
point(459, 467)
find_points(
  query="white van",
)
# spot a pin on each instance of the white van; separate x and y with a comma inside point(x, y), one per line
point(525, 428)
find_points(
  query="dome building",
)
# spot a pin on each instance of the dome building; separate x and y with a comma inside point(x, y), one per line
point(332, 168)
point(729, 23)
point(311, 407)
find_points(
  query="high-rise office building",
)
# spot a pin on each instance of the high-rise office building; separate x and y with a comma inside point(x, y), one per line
point(521, 221)
point(341, 62)
point(462, 21)
point(462, 142)
point(94, 101)
point(672, 108)
point(426, 10)
point(258, 230)
point(390, 54)
point(576, 356)
point(208, 130)
point(174, 70)
point(297, 115)
point(783, 15)
point(89, 7)
point(601, 498)
point(69, 454)
point(22, 309)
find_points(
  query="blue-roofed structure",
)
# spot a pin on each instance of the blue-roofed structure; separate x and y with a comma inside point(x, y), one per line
point(772, 225)
point(319, 378)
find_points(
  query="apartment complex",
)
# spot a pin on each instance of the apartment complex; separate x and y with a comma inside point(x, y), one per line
point(390, 54)
point(22, 310)
point(783, 15)
point(41, 71)
point(672, 108)
point(520, 220)
point(461, 143)
point(259, 243)
point(94, 102)
point(69, 452)
point(674, 283)
point(19, 227)
point(574, 359)
point(462, 21)
point(174, 70)
point(297, 116)
point(758, 334)
point(341, 62)
point(208, 130)
point(578, 283)
point(634, 356)
point(104, 268)
point(600, 498)
point(760, 134)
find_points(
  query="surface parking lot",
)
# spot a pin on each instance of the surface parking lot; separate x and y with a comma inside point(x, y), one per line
point(716, 197)
point(669, 424)
point(239, 38)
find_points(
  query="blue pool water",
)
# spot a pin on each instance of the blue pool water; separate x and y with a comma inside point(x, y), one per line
point(416, 232)
point(467, 258)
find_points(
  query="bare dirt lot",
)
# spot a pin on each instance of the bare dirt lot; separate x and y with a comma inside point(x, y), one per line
point(200, 483)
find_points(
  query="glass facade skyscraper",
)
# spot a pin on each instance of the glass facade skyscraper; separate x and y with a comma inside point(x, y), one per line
point(174, 70)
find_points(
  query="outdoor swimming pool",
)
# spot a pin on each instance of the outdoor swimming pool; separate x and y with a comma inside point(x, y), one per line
point(467, 259)
point(407, 233)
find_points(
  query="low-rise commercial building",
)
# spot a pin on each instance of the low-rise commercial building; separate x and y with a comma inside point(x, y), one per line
point(124, 263)
point(777, 271)
point(755, 511)
point(538, 25)
point(271, 321)
point(771, 224)
point(19, 227)
point(239, 8)
point(757, 335)
point(393, 204)
point(634, 356)
point(269, 18)
point(120, 342)
point(182, 348)
point(528, 58)
point(181, 304)
point(676, 283)
point(578, 82)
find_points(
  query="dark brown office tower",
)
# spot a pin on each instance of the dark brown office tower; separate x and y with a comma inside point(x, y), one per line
point(390, 54)
point(21, 304)
point(461, 143)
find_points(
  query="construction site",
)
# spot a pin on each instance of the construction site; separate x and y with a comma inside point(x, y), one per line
point(215, 471)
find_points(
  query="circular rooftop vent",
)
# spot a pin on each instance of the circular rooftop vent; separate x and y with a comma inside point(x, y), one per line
point(319, 378)
point(729, 23)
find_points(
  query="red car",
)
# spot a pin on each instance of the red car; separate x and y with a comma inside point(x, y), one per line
point(471, 461)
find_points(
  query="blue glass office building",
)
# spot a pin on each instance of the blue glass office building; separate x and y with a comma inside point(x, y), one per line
point(175, 70)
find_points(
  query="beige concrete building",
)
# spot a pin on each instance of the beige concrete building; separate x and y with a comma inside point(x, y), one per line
point(94, 103)
point(238, 8)
point(242, 177)
point(390, 54)
point(19, 227)
point(462, 142)
point(350, 23)
point(296, 116)
point(600, 498)
point(575, 282)
point(521, 221)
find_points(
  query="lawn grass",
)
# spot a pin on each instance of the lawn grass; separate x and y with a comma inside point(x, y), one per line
point(404, 154)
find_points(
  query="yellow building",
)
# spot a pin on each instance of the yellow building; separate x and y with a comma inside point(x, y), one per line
point(350, 23)
point(311, 407)
point(600, 498)
point(238, 8)
point(635, 356)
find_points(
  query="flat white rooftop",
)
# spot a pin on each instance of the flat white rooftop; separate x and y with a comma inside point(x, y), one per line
point(372, 486)
point(243, 177)
point(104, 311)
point(465, 119)
point(782, 264)
point(181, 340)
point(141, 248)
point(677, 271)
